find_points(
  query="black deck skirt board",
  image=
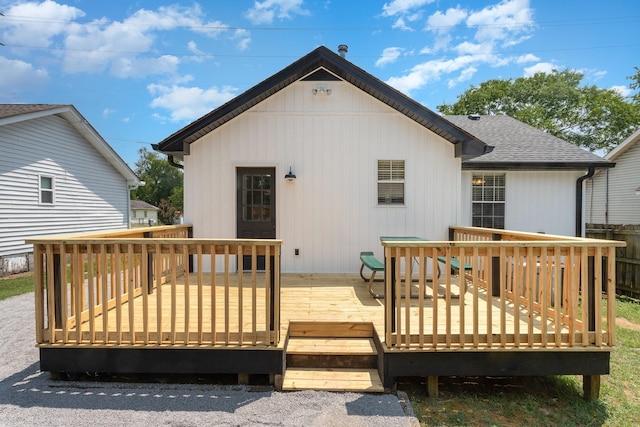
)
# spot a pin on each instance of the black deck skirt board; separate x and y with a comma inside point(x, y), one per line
point(498, 363)
point(161, 361)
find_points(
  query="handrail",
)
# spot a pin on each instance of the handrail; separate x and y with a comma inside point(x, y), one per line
point(500, 300)
point(121, 291)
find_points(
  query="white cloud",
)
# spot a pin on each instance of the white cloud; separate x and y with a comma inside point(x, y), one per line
point(430, 71)
point(442, 23)
point(400, 25)
point(464, 76)
point(389, 56)
point(36, 23)
point(17, 74)
point(624, 91)
point(502, 21)
point(529, 57)
point(264, 12)
point(540, 67)
point(402, 6)
point(188, 103)
point(107, 112)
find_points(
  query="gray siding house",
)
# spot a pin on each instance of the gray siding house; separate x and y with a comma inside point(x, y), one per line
point(57, 176)
point(613, 195)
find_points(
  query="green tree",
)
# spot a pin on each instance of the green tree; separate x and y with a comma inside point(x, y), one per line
point(162, 181)
point(167, 213)
point(587, 116)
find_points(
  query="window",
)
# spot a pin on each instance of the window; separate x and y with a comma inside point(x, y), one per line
point(488, 200)
point(390, 182)
point(46, 190)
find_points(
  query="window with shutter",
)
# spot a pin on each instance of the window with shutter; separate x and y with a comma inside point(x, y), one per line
point(391, 182)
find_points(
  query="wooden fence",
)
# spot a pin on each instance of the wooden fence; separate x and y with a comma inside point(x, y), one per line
point(520, 290)
point(627, 258)
point(122, 289)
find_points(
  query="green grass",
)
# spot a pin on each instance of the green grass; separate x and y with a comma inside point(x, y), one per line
point(15, 285)
point(541, 401)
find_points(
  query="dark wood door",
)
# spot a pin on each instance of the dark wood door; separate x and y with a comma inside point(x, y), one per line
point(256, 207)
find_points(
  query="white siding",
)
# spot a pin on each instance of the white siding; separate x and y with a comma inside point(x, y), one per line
point(90, 194)
point(332, 143)
point(536, 201)
point(623, 205)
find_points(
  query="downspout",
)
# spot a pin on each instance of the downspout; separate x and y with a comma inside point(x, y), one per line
point(606, 200)
point(589, 174)
point(173, 163)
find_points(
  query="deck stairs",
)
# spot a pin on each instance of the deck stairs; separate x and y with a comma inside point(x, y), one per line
point(332, 356)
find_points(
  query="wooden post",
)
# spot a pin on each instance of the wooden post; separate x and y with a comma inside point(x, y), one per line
point(495, 270)
point(190, 236)
point(591, 283)
point(432, 386)
point(57, 292)
point(149, 235)
point(272, 274)
point(591, 387)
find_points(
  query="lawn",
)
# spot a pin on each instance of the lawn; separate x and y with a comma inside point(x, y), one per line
point(15, 285)
point(541, 401)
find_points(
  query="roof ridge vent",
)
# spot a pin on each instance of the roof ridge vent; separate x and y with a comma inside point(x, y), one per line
point(473, 116)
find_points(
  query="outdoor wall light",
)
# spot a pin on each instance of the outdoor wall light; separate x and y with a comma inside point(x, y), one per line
point(321, 91)
point(638, 191)
point(290, 176)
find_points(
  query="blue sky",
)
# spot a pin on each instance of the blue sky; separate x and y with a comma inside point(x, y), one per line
point(141, 70)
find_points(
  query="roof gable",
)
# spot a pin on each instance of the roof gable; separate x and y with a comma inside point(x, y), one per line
point(624, 146)
point(518, 145)
point(322, 63)
point(14, 113)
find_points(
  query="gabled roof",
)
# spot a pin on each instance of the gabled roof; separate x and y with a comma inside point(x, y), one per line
point(624, 146)
point(520, 146)
point(14, 113)
point(141, 204)
point(323, 59)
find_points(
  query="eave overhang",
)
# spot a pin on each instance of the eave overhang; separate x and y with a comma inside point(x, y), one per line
point(466, 145)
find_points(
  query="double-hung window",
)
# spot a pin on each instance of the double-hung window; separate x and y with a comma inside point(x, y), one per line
point(390, 182)
point(46, 190)
point(488, 200)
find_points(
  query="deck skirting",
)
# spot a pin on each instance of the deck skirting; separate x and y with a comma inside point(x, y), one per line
point(152, 360)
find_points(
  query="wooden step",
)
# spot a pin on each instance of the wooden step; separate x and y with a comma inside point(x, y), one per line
point(331, 353)
point(355, 380)
point(331, 329)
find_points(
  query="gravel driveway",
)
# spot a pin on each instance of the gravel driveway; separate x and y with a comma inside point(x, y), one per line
point(29, 397)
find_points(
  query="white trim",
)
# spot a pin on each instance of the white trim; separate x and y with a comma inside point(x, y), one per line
point(52, 189)
point(623, 146)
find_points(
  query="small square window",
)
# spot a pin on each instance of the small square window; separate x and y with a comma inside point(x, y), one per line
point(391, 182)
point(46, 190)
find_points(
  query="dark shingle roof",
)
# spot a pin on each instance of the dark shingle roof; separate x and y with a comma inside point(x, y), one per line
point(466, 145)
point(10, 110)
point(141, 204)
point(520, 146)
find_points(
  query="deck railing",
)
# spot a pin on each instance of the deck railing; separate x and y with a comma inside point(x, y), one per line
point(512, 290)
point(155, 286)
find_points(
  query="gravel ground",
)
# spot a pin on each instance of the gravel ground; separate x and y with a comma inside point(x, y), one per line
point(29, 397)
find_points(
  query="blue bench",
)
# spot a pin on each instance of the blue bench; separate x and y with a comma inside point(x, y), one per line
point(372, 263)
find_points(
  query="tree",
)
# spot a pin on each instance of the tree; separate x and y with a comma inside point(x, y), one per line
point(162, 181)
point(167, 213)
point(587, 116)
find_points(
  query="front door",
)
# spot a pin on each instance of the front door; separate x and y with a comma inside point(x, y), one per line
point(256, 207)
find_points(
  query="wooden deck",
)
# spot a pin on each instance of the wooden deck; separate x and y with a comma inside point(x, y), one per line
point(526, 304)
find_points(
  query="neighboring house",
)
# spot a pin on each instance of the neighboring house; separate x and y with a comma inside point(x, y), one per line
point(613, 196)
point(143, 213)
point(57, 176)
point(329, 158)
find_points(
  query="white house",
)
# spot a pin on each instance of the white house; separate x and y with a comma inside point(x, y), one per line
point(143, 213)
point(57, 176)
point(329, 158)
point(613, 196)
